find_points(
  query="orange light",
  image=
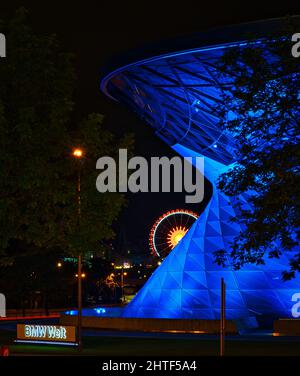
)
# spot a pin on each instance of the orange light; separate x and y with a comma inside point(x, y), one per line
point(83, 275)
point(175, 235)
point(163, 217)
point(59, 264)
point(77, 153)
point(125, 273)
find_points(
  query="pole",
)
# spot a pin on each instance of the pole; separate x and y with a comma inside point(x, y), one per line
point(122, 284)
point(79, 291)
point(79, 271)
point(223, 318)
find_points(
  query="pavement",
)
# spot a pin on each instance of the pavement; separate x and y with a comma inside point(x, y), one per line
point(127, 343)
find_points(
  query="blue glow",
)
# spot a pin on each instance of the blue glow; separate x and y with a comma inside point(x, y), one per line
point(37, 342)
point(176, 95)
point(187, 283)
point(100, 311)
point(71, 313)
point(103, 84)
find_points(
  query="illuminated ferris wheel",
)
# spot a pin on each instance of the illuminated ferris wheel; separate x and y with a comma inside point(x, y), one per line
point(169, 229)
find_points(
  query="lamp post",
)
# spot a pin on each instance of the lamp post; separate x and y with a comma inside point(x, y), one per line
point(123, 274)
point(78, 154)
point(122, 284)
point(223, 318)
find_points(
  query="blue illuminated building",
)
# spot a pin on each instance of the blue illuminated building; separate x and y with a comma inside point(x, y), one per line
point(175, 93)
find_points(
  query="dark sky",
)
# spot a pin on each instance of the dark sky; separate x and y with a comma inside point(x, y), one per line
point(98, 31)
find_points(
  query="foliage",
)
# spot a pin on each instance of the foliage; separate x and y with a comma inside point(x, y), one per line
point(260, 107)
point(38, 176)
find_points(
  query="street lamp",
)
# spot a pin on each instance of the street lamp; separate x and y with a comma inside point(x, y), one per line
point(123, 274)
point(78, 154)
point(83, 275)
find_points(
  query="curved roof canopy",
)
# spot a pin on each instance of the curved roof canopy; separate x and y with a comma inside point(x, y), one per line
point(176, 93)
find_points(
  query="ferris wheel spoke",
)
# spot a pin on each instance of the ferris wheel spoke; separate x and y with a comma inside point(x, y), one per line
point(167, 224)
point(168, 220)
point(158, 244)
point(187, 221)
point(168, 230)
point(162, 251)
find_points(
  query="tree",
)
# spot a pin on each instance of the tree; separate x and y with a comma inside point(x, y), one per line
point(260, 107)
point(37, 174)
point(33, 281)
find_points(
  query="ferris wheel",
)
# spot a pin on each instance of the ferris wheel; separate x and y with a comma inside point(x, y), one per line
point(169, 229)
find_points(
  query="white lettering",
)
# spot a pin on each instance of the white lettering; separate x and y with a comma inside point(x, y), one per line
point(296, 307)
point(296, 46)
point(2, 45)
point(2, 306)
point(160, 175)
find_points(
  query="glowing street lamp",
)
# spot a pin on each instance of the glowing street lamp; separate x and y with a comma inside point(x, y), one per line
point(123, 274)
point(83, 275)
point(78, 154)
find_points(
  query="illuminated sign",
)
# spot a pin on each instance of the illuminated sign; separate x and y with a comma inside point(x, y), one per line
point(55, 334)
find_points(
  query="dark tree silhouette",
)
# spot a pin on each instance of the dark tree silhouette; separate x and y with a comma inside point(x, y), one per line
point(260, 107)
point(37, 173)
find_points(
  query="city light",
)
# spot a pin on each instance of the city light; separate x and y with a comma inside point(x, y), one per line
point(100, 311)
point(83, 275)
point(126, 265)
point(175, 235)
point(78, 153)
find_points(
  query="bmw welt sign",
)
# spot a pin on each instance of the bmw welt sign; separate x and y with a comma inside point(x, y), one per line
point(46, 333)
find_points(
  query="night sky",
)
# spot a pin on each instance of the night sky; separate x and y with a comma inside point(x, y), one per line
point(96, 33)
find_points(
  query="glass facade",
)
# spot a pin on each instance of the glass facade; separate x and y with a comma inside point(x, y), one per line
point(176, 95)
